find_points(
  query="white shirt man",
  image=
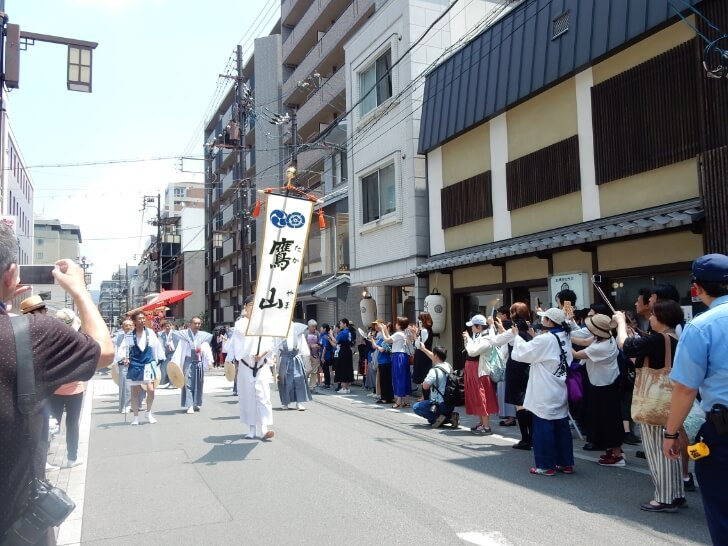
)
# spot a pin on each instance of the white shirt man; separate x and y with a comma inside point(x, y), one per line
point(254, 356)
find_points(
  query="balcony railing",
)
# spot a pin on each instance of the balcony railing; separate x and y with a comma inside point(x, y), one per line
point(346, 24)
point(322, 99)
point(319, 10)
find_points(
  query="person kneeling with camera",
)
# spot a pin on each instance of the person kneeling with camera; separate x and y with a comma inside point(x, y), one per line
point(435, 410)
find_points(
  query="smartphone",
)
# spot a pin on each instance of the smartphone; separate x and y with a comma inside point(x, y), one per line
point(37, 274)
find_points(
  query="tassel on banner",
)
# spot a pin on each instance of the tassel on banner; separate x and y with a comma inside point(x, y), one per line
point(256, 209)
point(322, 220)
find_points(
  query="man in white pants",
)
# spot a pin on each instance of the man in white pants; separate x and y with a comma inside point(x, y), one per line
point(254, 356)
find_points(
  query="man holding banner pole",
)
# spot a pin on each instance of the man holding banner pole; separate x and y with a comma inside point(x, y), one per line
point(254, 357)
point(268, 314)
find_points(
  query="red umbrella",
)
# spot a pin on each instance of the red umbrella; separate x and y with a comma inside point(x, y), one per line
point(167, 297)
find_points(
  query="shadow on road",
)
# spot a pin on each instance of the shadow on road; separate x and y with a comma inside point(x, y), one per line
point(230, 448)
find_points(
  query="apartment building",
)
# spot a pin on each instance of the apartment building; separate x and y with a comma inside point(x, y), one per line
point(573, 139)
point(16, 192)
point(241, 157)
point(314, 92)
point(52, 241)
point(386, 63)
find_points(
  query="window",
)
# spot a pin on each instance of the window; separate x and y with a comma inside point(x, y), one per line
point(180, 192)
point(38, 255)
point(560, 25)
point(375, 83)
point(340, 168)
point(378, 194)
point(39, 242)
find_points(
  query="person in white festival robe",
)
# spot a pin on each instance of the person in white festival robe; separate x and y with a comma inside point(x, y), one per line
point(255, 357)
point(194, 355)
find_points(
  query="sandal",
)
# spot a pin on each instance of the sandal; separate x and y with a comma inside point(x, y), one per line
point(396, 406)
point(542, 471)
point(508, 423)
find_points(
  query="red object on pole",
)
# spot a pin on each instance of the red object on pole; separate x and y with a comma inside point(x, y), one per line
point(256, 210)
point(322, 220)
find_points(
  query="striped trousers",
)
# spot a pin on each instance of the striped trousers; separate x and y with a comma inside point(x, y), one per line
point(666, 473)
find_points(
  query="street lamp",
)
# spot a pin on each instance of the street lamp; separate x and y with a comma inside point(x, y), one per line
point(79, 68)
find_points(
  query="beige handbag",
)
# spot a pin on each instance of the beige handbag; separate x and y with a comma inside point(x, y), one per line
point(653, 391)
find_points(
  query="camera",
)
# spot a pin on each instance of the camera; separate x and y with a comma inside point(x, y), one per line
point(48, 507)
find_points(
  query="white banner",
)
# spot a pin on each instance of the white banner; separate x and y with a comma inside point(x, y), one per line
point(285, 234)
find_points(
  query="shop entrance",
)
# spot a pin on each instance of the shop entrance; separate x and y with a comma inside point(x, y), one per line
point(535, 296)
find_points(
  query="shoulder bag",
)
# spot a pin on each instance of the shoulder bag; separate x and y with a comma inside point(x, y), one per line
point(653, 391)
point(47, 506)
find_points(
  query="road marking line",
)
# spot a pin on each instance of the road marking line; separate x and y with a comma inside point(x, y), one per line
point(484, 539)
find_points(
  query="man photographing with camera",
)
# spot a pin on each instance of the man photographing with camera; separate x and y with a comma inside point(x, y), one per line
point(60, 355)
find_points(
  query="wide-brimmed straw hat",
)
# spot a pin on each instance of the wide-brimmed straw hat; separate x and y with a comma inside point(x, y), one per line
point(33, 303)
point(229, 371)
point(600, 325)
point(176, 377)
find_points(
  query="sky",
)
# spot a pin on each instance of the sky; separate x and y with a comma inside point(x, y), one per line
point(155, 72)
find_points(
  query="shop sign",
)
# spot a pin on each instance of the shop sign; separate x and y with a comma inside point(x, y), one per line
point(578, 282)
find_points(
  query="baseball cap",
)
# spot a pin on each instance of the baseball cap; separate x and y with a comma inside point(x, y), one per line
point(555, 314)
point(477, 319)
point(711, 268)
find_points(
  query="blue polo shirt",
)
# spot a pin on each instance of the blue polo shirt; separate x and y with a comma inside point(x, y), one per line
point(701, 358)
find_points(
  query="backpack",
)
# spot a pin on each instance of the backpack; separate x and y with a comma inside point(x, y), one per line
point(454, 394)
point(497, 365)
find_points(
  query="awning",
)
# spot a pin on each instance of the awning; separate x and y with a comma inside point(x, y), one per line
point(320, 287)
point(644, 221)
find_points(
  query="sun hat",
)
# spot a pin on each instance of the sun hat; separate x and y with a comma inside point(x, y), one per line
point(69, 317)
point(33, 303)
point(600, 325)
point(554, 314)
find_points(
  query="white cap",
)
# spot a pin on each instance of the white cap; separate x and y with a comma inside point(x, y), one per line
point(477, 319)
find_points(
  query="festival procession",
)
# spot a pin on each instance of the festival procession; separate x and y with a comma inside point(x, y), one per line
point(383, 271)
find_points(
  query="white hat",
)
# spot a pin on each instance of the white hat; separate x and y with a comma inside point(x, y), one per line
point(70, 318)
point(477, 319)
point(554, 314)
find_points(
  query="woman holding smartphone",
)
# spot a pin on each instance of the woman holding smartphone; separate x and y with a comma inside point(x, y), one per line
point(423, 340)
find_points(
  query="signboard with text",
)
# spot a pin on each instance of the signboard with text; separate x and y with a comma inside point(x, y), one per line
point(578, 282)
point(286, 227)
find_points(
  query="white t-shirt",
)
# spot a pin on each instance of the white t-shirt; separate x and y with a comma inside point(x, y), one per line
point(546, 394)
point(398, 342)
point(601, 362)
point(438, 378)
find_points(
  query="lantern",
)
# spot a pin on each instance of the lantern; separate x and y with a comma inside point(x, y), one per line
point(436, 306)
point(368, 311)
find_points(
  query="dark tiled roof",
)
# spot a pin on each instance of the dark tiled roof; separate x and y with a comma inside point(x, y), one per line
point(633, 223)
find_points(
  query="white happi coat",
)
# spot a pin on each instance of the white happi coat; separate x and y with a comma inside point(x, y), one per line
point(253, 392)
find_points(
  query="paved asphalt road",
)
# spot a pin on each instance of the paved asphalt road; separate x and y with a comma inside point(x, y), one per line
point(347, 471)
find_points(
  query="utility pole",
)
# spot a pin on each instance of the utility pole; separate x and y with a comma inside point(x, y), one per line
point(159, 242)
point(242, 192)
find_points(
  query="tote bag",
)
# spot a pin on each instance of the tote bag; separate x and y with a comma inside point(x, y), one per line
point(653, 391)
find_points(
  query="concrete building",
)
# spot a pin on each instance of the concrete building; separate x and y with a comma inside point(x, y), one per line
point(314, 91)
point(116, 295)
point(573, 139)
point(16, 191)
point(240, 159)
point(52, 241)
point(386, 63)
point(181, 195)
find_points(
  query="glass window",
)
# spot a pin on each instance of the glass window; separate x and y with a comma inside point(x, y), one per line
point(379, 194)
point(375, 83)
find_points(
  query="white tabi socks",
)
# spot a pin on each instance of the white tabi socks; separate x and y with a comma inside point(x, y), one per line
point(251, 434)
